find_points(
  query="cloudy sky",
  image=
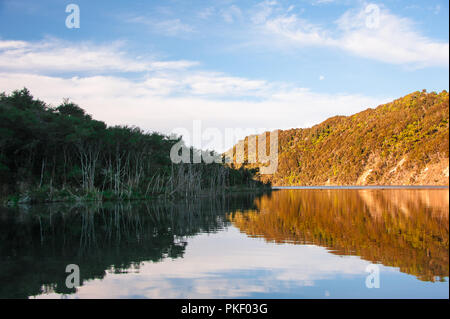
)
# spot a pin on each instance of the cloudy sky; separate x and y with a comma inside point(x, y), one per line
point(253, 65)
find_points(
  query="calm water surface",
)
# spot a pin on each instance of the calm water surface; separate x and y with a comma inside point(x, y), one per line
point(291, 243)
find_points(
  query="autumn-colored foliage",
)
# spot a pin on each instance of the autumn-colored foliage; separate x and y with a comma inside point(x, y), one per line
point(408, 229)
point(402, 142)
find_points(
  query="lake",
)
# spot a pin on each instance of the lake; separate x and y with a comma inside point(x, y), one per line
point(289, 243)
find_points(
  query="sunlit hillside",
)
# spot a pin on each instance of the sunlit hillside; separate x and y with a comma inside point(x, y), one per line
point(399, 143)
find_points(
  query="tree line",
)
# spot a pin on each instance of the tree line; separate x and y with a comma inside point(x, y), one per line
point(58, 153)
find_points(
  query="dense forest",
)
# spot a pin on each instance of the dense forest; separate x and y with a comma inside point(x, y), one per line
point(61, 153)
point(398, 143)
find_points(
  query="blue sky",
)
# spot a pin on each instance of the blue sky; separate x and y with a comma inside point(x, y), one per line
point(249, 64)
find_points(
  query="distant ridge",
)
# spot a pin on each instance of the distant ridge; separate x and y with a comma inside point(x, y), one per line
point(404, 142)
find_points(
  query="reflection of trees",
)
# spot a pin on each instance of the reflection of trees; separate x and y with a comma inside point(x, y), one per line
point(37, 243)
point(408, 229)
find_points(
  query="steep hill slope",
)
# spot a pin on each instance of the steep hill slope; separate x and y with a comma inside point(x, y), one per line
point(404, 142)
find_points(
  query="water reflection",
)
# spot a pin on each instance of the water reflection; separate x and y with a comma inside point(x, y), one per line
point(36, 243)
point(408, 229)
point(270, 246)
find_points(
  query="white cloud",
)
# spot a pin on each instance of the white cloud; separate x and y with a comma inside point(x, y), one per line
point(12, 44)
point(264, 10)
point(206, 13)
point(231, 13)
point(298, 30)
point(57, 56)
point(171, 27)
point(393, 39)
point(321, 77)
point(151, 104)
point(316, 2)
point(220, 85)
point(169, 97)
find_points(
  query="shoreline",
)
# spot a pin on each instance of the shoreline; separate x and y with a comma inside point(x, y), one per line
point(88, 198)
point(230, 191)
point(365, 187)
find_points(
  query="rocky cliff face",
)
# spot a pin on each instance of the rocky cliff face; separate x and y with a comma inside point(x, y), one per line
point(404, 142)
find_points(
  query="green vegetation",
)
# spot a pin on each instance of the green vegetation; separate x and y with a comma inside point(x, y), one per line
point(368, 147)
point(60, 153)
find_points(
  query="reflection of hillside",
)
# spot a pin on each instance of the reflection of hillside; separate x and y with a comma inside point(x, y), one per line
point(408, 229)
point(36, 244)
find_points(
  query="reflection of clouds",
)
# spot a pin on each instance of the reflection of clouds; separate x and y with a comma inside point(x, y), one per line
point(227, 264)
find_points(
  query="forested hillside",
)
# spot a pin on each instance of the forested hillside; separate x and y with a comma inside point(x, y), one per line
point(398, 143)
point(60, 153)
